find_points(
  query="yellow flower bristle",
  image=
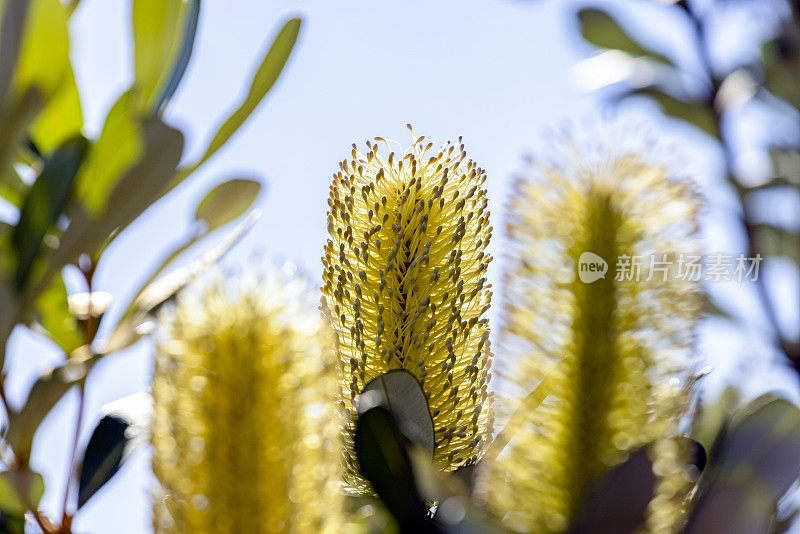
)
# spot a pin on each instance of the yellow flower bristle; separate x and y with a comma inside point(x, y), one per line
point(245, 435)
point(404, 280)
point(612, 355)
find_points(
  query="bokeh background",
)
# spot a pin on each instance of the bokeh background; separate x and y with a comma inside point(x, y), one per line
point(497, 72)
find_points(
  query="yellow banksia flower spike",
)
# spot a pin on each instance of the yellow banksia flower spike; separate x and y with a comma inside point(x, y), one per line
point(245, 434)
point(405, 283)
point(611, 349)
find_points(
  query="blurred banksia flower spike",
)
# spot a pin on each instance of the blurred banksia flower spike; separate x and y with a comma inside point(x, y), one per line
point(610, 351)
point(245, 438)
point(405, 282)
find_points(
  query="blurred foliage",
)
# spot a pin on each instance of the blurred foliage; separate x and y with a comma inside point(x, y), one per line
point(71, 197)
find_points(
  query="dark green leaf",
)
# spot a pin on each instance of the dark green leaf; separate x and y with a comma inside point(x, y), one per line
point(384, 462)
point(226, 202)
point(45, 203)
point(103, 456)
point(12, 523)
point(400, 392)
point(617, 503)
point(600, 29)
point(264, 79)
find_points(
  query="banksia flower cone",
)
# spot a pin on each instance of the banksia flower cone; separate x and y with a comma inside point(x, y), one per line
point(244, 437)
point(404, 280)
point(609, 351)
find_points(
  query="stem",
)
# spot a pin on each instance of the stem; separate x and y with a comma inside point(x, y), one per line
point(66, 518)
point(728, 158)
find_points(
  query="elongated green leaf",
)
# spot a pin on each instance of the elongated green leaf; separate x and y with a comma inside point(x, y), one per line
point(45, 202)
point(44, 56)
point(61, 117)
point(55, 318)
point(12, 188)
point(182, 61)
point(226, 202)
point(117, 149)
point(158, 27)
point(20, 491)
point(600, 29)
point(156, 291)
point(133, 193)
point(44, 394)
point(264, 79)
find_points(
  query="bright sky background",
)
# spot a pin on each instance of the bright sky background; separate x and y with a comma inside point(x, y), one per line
point(495, 71)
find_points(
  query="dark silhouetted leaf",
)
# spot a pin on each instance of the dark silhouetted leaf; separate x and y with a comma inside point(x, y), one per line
point(12, 523)
point(385, 463)
point(617, 504)
point(400, 392)
point(103, 456)
point(600, 29)
point(45, 202)
point(751, 468)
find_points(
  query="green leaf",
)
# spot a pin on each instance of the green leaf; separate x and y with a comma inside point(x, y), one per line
point(55, 318)
point(781, 64)
point(158, 29)
point(156, 291)
point(12, 188)
point(600, 29)
point(384, 462)
point(400, 392)
point(44, 394)
point(61, 117)
point(696, 113)
point(617, 503)
point(44, 56)
point(185, 55)
point(136, 190)
point(117, 149)
point(45, 203)
point(20, 490)
point(226, 202)
point(264, 79)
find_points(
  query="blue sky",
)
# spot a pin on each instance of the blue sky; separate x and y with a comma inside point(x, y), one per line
point(496, 72)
